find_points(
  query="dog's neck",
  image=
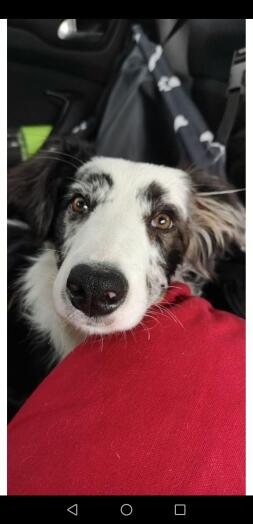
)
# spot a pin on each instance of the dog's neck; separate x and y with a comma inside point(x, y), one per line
point(38, 305)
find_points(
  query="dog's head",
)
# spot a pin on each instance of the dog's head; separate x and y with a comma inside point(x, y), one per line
point(121, 231)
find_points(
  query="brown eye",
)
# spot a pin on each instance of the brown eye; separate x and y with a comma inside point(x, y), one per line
point(79, 205)
point(162, 221)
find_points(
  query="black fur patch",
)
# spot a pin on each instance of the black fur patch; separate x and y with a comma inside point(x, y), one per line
point(173, 247)
point(172, 243)
point(153, 194)
point(99, 180)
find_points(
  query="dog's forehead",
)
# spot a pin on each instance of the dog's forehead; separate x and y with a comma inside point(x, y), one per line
point(139, 179)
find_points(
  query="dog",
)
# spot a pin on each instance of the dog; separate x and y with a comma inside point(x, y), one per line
point(111, 237)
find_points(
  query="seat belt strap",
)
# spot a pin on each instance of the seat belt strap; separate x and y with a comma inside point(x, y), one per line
point(236, 88)
point(179, 23)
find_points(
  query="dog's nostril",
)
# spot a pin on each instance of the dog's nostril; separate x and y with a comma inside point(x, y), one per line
point(110, 297)
point(74, 288)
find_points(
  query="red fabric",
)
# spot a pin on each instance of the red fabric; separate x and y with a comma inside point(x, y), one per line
point(159, 410)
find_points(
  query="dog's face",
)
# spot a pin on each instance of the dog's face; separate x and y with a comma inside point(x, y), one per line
point(121, 230)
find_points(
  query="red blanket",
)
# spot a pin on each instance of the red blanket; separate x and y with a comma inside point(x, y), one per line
point(159, 410)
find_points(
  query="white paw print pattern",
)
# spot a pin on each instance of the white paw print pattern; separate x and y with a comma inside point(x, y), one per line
point(168, 83)
point(180, 121)
point(137, 37)
point(154, 58)
point(207, 136)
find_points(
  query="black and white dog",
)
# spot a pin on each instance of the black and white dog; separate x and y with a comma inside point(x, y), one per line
point(113, 234)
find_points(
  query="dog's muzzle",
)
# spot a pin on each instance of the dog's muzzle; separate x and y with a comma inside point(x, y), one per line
point(96, 290)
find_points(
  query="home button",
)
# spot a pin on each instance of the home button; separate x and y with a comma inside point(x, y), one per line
point(126, 510)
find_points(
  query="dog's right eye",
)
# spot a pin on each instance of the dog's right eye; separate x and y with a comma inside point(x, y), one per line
point(80, 205)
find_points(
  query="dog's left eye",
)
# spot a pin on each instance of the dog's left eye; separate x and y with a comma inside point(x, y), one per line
point(79, 205)
point(162, 221)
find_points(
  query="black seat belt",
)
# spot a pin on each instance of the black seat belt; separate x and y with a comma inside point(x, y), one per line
point(236, 88)
point(178, 24)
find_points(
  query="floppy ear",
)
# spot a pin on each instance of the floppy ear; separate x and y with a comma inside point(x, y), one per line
point(34, 185)
point(217, 224)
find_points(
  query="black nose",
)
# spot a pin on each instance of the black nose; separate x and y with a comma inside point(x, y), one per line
point(96, 290)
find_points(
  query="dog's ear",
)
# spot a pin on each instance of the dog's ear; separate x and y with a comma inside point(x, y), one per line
point(33, 186)
point(217, 223)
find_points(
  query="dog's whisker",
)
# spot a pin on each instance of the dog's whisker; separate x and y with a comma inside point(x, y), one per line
point(52, 151)
point(47, 151)
point(51, 250)
point(152, 317)
point(63, 160)
point(163, 311)
point(102, 343)
point(124, 336)
point(133, 334)
point(146, 329)
point(173, 317)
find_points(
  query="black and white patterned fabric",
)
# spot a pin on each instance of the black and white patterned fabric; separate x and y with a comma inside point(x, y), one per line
point(188, 123)
point(147, 106)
